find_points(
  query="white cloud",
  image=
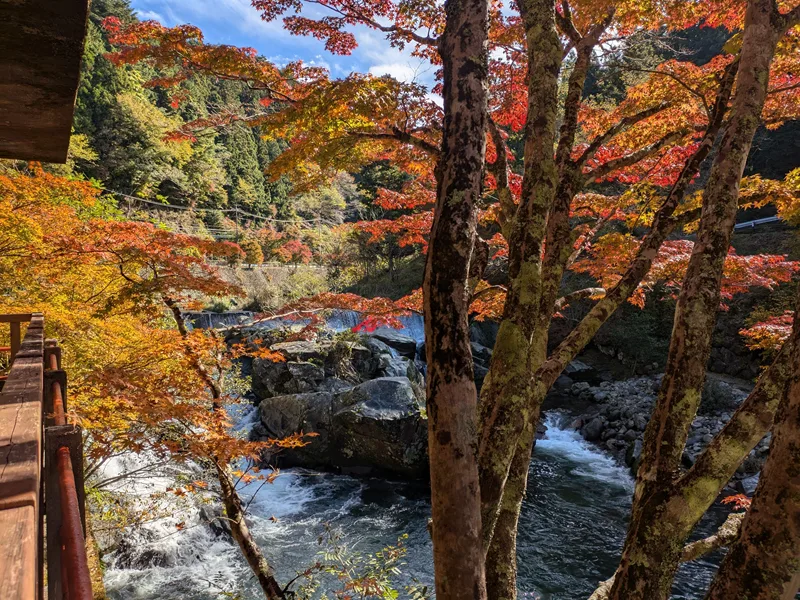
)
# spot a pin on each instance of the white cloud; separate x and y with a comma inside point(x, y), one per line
point(401, 72)
point(150, 15)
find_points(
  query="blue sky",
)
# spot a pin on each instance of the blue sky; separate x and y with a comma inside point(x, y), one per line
point(236, 22)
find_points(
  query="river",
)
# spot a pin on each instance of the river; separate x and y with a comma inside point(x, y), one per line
point(572, 527)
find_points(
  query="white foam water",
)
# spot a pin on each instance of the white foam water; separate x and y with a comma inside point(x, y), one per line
point(571, 528)
point(583, 459)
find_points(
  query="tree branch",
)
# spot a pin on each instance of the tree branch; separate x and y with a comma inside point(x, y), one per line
point(725, 536)
point(399, 135)
point(634, 157)
point(680, 82)
point(566, 25)
point(663, 225)
point(578, 295)
point(618, 128)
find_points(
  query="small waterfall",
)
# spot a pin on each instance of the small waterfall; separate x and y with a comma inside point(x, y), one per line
point(213, 320)
point(413, 324)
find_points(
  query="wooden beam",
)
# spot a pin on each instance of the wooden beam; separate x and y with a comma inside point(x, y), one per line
point(16, 317)
point(41, 47)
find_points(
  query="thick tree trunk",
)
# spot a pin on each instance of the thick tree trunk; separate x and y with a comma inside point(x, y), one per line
point(765, 560)
point(451, 394)
point(505, 393)
point(652, 548)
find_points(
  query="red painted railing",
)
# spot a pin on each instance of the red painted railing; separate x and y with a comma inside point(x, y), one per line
point(41, 485)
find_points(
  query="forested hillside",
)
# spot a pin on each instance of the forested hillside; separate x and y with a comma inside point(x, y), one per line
point(124, 126)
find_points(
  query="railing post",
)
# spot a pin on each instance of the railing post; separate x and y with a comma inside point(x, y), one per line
point(51, 377)
point(51, 348)
point(60, 437)
point(16, 338)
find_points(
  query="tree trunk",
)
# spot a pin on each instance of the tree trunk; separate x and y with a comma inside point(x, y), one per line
point(241, 533)
point(501, 561)
point(652, 548)
point(764, 561)
point(505, 394)
point(228, 494)
point(451, 392)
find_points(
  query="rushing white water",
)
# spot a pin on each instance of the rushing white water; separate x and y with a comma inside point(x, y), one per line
point(571, 528)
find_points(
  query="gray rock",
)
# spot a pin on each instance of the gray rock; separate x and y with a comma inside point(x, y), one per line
point(579, 387)
point(375, 427)
point(481, 352)
point(630, 435)
point(305, 377)
point(576, 424)
point(601, 396)
point(749, 484)
point(593, 429)
point(283, 416)
point(216, 521)
point(484, 332)
point(633, 455)
point(541, 431)
point(139, 551)
point(405, 345)
point(480, 373)
point(378, 428)
point(719, 396)
point(578, 368)
point(640, 422)
point(564, 382)
point(303, 350)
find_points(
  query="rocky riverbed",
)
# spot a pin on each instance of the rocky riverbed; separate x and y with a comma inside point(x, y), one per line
point(363, 397)
point(616, 414)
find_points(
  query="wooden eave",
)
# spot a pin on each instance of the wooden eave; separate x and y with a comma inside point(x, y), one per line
point(41, 46)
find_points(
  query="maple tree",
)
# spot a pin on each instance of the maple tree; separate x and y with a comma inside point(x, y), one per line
point(552, 213)
point(136, 384)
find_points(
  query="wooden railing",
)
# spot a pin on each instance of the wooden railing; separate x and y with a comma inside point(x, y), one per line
point(41, 474)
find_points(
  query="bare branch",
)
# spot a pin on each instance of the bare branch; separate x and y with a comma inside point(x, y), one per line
point(578, 295)
point(725, 536)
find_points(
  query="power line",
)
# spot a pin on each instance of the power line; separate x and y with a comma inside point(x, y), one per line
point(223, 210)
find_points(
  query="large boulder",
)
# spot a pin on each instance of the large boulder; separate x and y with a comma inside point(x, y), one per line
point(403, 344)
point(378, 428)
point(291, 377)
point(283, 416)
point(309, 364)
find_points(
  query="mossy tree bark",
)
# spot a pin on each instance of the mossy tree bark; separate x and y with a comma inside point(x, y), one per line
point(505, 391)
point(451, 392)
point(661, 515)
point(764, 562)
point(511, 398)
